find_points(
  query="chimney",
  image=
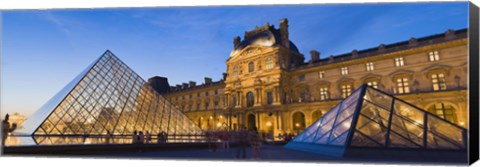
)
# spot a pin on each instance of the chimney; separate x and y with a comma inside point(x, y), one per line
point(284, 33)
point(381, 48)
point(184, 85)
point(208, 80)
point(172, 88)
point(224, 76)
point(192, 84)
point(236, 41)
point(412, 41)
point(315, 55)
point(354, 53)
point(331, 59)
point(178, 87)
point(450, 33)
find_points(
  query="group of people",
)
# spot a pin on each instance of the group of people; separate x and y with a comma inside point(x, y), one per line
point(286, 136)
point(245, 138)
point(220, 141)
point(214, 136)
point(140, 138)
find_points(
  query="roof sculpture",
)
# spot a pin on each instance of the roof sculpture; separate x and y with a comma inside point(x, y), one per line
point(107, 98)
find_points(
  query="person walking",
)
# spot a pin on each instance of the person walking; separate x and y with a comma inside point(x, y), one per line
point(241, 138)
point(254, 142)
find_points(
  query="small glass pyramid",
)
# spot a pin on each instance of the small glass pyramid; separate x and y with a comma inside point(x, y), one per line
point(107, 98)
point(370, 118)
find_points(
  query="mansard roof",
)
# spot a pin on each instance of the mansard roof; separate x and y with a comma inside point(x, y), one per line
point(450, 35)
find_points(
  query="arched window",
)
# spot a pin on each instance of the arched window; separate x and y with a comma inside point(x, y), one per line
point(269, 62)
point(251, 67)
point(250, 99)
point(298, 122)
point(444, 111)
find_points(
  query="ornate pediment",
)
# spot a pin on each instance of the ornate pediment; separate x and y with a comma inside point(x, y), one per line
point(249, 51)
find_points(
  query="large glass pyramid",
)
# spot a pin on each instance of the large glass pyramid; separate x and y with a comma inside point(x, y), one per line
point(370, 118)
point(107, 98)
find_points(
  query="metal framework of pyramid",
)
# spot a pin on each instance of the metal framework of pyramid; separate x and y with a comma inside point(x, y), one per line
point(370, 119)
point(107, 98)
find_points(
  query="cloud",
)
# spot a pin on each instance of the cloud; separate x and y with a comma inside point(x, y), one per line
point(57, 21)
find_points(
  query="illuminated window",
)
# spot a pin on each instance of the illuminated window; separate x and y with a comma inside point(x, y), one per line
point(344, 70)
point(346, 90)
point(251, 67)
point(434, 56)
point(323, 93)
point(373, 84)
point(444, 111)
point(402, 85)
point(370, 66)
point(321, 74)
point(269, 62)
point(301, 77)
point(438, 82)
point(399, 62)
point(235, 71)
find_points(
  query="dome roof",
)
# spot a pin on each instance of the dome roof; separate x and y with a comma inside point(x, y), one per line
point(265, 36)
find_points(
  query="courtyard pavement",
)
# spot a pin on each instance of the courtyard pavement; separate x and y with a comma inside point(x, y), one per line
point(268, 153)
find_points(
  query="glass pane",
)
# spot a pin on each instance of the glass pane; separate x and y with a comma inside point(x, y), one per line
point(361, 140)
point(371, 129)
point(442, 134)
point(397, 141)
point(380, 99)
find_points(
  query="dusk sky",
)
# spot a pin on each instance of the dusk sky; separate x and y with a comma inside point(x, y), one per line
point(43, 50)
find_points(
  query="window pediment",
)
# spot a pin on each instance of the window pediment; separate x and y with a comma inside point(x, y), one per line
point(401, 74)
point(436, 69)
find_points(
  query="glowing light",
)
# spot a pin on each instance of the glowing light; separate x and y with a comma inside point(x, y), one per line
point(346, 124)
point(201, 117)
point(219, 124)
point(462, 123)
point(269, 123)
point(297, 124)
point(221, 116)
point(211, 117)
